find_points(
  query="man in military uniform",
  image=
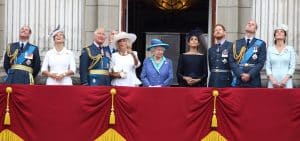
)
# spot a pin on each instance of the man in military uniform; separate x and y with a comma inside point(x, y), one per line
point(247, 58)
point(22, 60)
point(94, 61)
point(220, 73)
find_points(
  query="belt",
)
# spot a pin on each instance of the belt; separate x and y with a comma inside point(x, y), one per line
point(246, 65)
point(219, 70)
point(99, 72)
point(24, 68)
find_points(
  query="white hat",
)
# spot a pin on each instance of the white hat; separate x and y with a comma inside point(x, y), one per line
point(283, 27)
point(55, 31)
point(123, 35)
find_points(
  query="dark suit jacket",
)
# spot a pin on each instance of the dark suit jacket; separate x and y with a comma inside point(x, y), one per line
point(254, 71)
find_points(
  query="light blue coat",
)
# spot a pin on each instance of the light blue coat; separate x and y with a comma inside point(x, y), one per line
point(279, 64)
point(151, 77)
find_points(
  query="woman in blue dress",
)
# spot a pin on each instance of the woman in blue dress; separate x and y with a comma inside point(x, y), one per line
point(281, 61)
point(157, 69)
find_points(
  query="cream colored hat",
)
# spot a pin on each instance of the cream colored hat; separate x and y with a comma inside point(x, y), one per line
point(123, 35)
point(283, 27)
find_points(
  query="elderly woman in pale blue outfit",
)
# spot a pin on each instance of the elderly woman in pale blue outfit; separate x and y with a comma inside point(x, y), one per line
point(281, 61)
point(157, 69)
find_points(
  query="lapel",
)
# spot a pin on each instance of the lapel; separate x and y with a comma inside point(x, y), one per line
point(25, 47)
point(95, 50)
point(225, 45)
point(239, 44)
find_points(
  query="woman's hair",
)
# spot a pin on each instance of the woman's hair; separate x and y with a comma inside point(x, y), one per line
point(127, 42)
point(275, 35)
point(202, 48)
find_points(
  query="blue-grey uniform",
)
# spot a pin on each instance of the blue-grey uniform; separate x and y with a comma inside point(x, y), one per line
point(247, 58)
point(21, 63)
point(220, 72)
point(94, 65)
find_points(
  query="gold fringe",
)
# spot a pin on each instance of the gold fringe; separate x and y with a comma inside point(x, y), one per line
point(7, 115)
point(7, 135)
point(214, 136)
point(110, 135)
point(112, 117)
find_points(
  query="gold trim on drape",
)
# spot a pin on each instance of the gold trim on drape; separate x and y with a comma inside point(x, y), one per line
point(111, 134)
point(6, 134)
point(214, 135)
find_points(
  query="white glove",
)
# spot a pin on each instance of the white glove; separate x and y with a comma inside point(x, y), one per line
point(123, 74)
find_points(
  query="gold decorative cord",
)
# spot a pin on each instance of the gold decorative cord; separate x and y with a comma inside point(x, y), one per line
point(13, 56)
point(95, 59)
point(112, 117)
point(238, 57)
point(7, 115)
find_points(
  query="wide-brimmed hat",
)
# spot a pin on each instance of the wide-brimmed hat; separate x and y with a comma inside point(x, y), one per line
point(282, 27)
point(157, 43)
point(123, 35)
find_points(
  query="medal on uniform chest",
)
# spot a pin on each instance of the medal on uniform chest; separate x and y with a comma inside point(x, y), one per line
point(28, 55)
point(255, 49)
point(254, 56)
point(225, 53)
point(224, 61)
point(218, 49)
point(94, 80)
point(28, 62)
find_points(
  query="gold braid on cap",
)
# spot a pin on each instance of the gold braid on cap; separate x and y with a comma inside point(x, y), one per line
point(13, 56)
point(95, 59)
point(240, 56)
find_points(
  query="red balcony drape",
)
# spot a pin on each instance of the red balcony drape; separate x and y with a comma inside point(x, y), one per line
point(81, 113)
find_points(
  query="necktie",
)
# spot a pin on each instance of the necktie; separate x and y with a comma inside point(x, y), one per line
point(218, 47)
point(22, 46)
point(248, 42)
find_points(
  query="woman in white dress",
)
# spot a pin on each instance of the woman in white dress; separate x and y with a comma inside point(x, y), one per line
point(59, 63)
point(125, 61)
point(281, 61)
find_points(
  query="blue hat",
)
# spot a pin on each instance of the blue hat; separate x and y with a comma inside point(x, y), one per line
point(157, 43)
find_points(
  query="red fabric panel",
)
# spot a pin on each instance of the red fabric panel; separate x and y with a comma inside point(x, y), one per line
point(81, 113)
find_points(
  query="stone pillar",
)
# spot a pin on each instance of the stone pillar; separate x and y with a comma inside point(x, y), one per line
point(100, 13)
point(90, 21)
point(234, 14)
point(2, 19)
